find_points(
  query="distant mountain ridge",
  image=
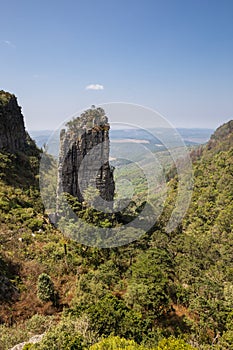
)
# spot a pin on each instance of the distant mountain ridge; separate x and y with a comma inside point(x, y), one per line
point(191, 136)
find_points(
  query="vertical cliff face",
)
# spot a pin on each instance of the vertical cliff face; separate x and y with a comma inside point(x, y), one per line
point(84, 156)
point(13, 136)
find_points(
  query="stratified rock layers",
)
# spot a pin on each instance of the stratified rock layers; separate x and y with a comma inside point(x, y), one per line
point(13, 136)
point(84, 158)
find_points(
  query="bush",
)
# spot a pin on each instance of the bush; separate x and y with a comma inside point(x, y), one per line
point(111, 316)
point(10, 336)
point(38, 324)
point(174, 344)
point(64, 336)
point(45, 288)
point(117, 343)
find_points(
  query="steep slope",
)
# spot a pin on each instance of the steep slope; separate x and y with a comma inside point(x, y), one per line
point(20, 206)
point(213, 191)
point(204, 254)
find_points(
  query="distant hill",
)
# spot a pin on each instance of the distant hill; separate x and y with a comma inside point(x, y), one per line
point(190, 136)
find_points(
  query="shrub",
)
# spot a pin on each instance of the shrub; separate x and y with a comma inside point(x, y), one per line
point(10, 336)
point(117, 343)
point(64, 336)
point(45, 288)
point(110, 316)
point(38, 324)
point(172, 343)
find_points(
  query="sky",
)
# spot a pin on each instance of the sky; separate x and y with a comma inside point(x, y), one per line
point(174, 56)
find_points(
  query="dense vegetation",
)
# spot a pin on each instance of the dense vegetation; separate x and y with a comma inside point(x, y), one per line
point(88, 119)
point(164, 291)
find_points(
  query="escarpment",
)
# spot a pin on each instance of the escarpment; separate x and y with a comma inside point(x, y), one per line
point(13, 136)
point(84, 156)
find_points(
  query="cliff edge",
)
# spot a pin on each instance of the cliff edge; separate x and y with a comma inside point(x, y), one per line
point(13, 136)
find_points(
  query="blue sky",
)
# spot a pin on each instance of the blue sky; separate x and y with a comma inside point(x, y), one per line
point(175, 56)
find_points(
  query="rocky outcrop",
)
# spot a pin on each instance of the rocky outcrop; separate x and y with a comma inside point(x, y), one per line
point(222, 138)
point(35, 339)
point(13, 136)
point(84, 156)
point(7, 290)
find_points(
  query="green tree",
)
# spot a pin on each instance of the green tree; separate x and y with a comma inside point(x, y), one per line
point(148, 289)
point(45, 288)
point(111, 316)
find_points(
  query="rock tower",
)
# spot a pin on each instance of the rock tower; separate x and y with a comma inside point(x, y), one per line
point(84, 156)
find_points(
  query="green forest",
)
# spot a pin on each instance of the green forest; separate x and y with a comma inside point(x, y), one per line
point(165, 291)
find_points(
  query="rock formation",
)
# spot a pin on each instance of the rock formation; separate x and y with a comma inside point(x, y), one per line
point(84, 156)
point(13, 136)
point(33, 340)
